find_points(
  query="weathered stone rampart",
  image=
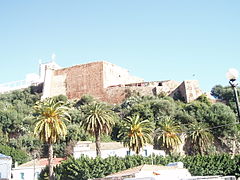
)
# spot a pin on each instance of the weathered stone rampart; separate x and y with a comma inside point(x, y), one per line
point(116, 94)
point(110, 83)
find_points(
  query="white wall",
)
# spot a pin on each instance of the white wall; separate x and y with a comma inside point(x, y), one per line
point(115, 75)
point(122, 152)
point(47, 83)
point(28, 173)
point(46, 75)
point(104, 153)
point(5, 168)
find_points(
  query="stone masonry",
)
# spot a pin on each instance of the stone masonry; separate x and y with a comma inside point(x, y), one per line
point(110, 83)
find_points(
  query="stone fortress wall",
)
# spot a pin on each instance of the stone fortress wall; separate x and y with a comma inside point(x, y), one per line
point(110, 83)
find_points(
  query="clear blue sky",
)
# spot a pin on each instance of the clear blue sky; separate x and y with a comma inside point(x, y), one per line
point(155, 40)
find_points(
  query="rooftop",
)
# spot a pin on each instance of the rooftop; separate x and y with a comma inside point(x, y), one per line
point(145, 167)
point(41, 162)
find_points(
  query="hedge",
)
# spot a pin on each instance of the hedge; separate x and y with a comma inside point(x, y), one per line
point(85, 168)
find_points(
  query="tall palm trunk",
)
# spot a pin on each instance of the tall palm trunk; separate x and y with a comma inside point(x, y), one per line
point(234, 146)
point(200, 148)
point(50, 160)
point(98, 144)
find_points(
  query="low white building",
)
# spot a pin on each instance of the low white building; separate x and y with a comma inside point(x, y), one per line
point(173, 171)
point(5, 166)
point(152, 172)
point(32, 169)
point(111, 149)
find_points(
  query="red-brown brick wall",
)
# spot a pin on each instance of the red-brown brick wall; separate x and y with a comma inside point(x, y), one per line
point(83, 79)
point(89, 79)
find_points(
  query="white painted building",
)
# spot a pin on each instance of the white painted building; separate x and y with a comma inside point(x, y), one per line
point(5, 166)
point(32, 169)
point(173, 171)
point(153, 172)
point(111, 149)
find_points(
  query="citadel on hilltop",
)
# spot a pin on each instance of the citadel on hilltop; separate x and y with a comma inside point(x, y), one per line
point(103, 80)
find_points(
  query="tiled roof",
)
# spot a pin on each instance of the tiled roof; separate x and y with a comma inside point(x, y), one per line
point(41, 162)
point(145, 167)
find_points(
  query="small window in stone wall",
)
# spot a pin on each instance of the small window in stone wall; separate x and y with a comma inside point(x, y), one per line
point(160, 84)
point(128, 153)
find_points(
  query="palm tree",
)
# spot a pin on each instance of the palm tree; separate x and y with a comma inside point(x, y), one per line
point(99, 119)
point(168, 134)
point(200, 136)
point(136, 133)
point(50, 126)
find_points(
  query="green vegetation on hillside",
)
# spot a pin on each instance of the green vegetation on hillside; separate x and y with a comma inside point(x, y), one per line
point(202, 126)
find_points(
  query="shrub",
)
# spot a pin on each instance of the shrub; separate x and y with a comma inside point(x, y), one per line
point(85, 168)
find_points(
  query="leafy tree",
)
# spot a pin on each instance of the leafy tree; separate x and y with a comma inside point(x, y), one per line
point(17, 155)
point(200, 111)
point(136, 133)
point(27, 96)
point(162, 108)
point(85, 99)
point(142, 109)
point(50, 126)
point(203, 98)
point(13, 119)
point(184, 117)
point(27, 142)
point(99, 119)
point(168, 134)
point(136, 105)
point(225, 94)
point(76, 115)
point(15, 107)
point(76, 134)
point(224, 119)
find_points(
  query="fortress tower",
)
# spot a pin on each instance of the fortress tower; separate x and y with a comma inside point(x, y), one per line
point(108, 82)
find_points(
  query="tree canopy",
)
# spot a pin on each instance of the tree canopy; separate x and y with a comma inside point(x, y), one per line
point(17, 124)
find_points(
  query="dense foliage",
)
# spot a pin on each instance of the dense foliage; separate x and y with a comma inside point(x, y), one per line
point(16, 124)
point(225, 94)
point(86, 168)
point(215, 122)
